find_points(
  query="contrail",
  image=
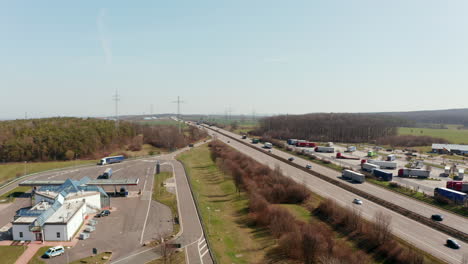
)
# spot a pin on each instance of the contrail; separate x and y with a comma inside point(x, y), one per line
point(105, 42)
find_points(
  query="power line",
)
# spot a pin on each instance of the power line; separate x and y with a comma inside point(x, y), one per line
point(116, 99)
point(178, 110)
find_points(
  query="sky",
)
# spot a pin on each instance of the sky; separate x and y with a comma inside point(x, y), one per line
point(68, 58)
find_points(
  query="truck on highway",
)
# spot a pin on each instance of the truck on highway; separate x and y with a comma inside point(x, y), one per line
point(107, 174)
point(292, 141)
point(455, 196)
point(384, 164)
point(341, 156)
point(110, 160)
point(369, 167)
point(350, 149)
point(384, 175)
point(391, 157)
point(354, 176)
point(306, 144)
point(324, 149)
point(457, 186)
point(255, 140)
point(268, 145)
point(414, 172)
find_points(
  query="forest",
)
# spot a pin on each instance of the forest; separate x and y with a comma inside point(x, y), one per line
point(67, 138)
point(335, 127)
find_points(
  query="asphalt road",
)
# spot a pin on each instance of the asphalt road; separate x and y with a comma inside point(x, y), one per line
point(420, 235)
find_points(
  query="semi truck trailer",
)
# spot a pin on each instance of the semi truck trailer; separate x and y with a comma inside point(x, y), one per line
point(107, 174)
point(369, 167)
point(354, 176)
point(457, 186)
point(455, 196)
point(384, 175)
point(110, 160)
point(341, 156)
point(413, 173)
point(384, 164)
point(325, 149)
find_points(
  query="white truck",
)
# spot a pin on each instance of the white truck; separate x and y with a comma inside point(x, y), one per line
point(268, 145)
point(354, 176)
point(414, 172)
point(369, 167)
point(391, 157)
point(350, 149)
point(384, 164)
point(324, 149)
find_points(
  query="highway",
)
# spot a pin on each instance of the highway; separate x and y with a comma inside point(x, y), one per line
point(420, 235)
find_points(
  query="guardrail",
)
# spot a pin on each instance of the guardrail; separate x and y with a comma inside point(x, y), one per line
point(396, 208)
point(202, 221)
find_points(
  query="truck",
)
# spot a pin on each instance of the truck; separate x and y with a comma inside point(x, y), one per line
point(268, 145)
point(306, 144)
point(292, 141)
point(324, 149)
point(244, 136)
point(110, 160)
point(461, 173)
point(447, 171)
point(391, 157)
point(413, 172)
point(371, 153)
point(255, 140)
point(384, 175)
point(384, 164)
point(354, 176)
point(107, 174)
point(455, 196)
point(341, 156)
point(350, 149)
point(457, 186)
point(369, 167)
point(329, 144)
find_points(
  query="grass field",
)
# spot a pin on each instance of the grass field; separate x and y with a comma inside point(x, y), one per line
point(224, 212)
point(456, 136)
point(36, 259)
point(161, 195)
point(9, 254)
point(9, 171)
point(11, 195)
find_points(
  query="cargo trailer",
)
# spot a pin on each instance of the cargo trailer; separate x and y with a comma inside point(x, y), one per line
point(455, 196)
point(414, 173)
point(325, 149)
point(369, 167)
point(384, 175)
point(354, 176)
point(384, 164)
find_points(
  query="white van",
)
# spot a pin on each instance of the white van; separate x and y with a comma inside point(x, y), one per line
point(54, 251)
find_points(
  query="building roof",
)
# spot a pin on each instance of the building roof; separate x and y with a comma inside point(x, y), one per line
point(450, 147)
point(65, 212)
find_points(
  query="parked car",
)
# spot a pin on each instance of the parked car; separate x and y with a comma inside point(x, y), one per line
point(54, 251)
point(437, 217)
point(291, 159)
point(357, 201)
point(190, 145)
point(452, 243)
point(308, 166)
point(103, 213)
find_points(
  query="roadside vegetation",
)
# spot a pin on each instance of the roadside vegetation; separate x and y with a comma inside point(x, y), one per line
point(162, 195)
point(100, 258)
point(9, 254)
point(176, 258)
point(10, 196)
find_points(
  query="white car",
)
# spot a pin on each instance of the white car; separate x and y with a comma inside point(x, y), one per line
point(357, 201)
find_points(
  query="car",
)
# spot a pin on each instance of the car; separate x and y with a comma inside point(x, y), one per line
point(190, 145)
point(357, 201)
point(54, 251)
point(308, 166)
point(291, 159)
point(229, 141)
point(437, 217)
point(103, 213)
point(452, 243)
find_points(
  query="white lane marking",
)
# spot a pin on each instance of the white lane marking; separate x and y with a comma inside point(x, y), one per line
point(204, 253)
point(146, 250)
point(201, 241)
point(149, 206)
point(201, 249)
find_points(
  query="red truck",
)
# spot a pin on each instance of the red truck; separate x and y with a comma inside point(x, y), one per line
point(341, 156)
point(458, 186)
point(306, 144)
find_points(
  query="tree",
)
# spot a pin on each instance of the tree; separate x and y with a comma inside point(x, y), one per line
point(70, 154)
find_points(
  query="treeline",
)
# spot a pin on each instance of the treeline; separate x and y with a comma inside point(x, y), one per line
point(60, 138)
point(449, 116)
point(340, 127)
point(308, 242)
point(410, 141)
point(168, 136)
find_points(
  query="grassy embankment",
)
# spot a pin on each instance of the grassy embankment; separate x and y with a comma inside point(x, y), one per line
point(225, 213)
point(176, 258)
point(9, 254)
point(36, 259)
point(161, 195)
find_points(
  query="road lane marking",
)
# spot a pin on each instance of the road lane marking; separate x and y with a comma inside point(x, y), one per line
point(149, 205)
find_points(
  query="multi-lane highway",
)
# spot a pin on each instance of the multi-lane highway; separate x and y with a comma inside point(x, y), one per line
point(414, 232)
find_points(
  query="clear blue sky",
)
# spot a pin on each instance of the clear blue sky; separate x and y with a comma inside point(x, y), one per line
point(69, 57)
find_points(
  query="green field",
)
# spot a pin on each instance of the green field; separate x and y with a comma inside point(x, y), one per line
point(9, 171)
point(455, 136)
point(37, 258)
point(224, 212)
point(161, 195)
point(10, 254)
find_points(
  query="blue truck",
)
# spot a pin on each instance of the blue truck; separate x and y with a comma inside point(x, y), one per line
point(384, 175)
point(110, 160)
point(455, 196)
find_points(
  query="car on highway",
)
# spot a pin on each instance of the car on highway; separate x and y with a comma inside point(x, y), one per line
point(437, 217)
point(229, 141)
point(308, 166)
point(103, 213)
point(291, 159)
point(357, 201)
point(452, 243)
point(54, 251)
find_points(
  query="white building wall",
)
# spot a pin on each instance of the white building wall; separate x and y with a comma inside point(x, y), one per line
point(94, 201)
point(75, 222)
point(51, 230)
point(27, 235)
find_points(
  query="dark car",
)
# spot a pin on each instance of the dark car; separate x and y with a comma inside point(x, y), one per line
point(452, 243)
point(103, 213)
point(308, 166)
point(291, 159)
point(437, 217)
point(190, 145)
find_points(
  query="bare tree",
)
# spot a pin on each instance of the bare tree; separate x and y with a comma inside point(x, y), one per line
point(382, 227)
